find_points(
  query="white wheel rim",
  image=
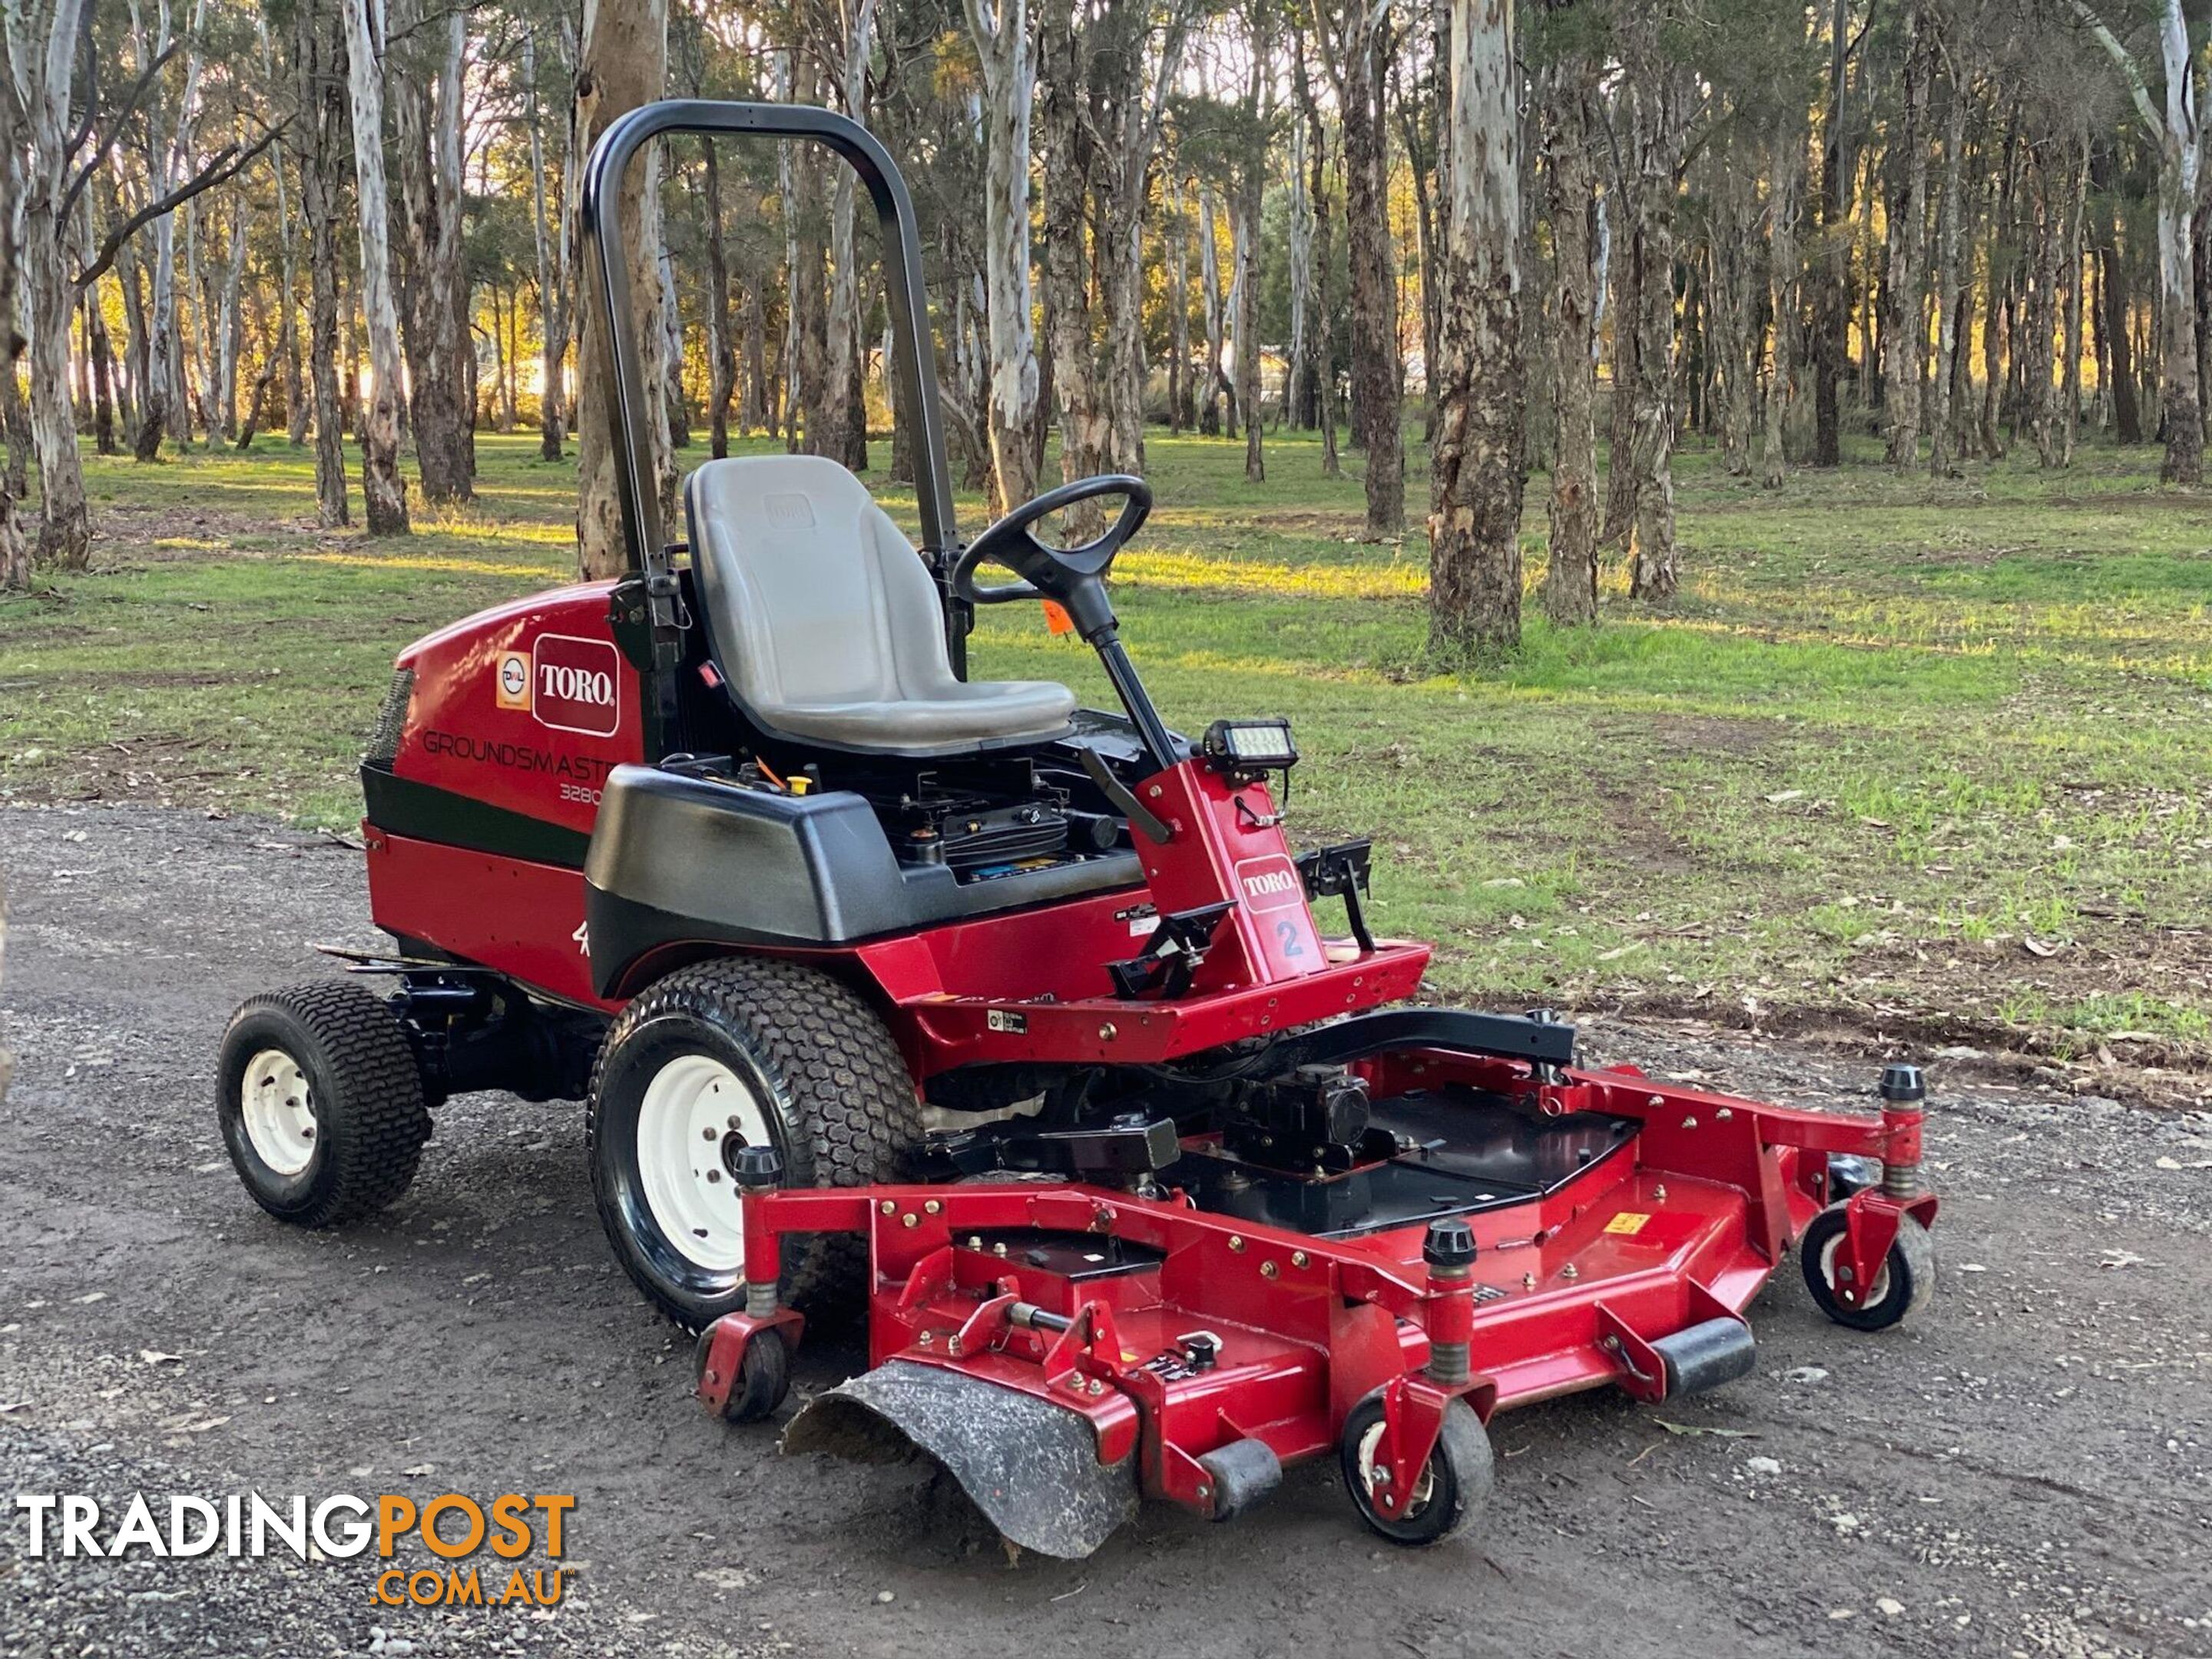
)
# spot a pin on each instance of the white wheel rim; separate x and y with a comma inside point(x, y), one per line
point(279, 1113)
point(1423, 1488)
point(1873, 1296)
point(692, 1105)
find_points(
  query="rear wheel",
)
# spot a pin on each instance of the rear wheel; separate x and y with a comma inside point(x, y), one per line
point(1450, 1494)
point(320, 1100)
point(723, 1055)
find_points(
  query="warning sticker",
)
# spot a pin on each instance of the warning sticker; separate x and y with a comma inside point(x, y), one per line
point(1628, 1221)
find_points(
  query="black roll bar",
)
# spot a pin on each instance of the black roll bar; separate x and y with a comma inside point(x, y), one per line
point(915, 358)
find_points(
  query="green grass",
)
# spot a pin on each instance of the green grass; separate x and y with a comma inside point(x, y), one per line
point(1900, 751)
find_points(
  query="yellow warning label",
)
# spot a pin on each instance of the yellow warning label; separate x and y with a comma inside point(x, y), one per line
point(1628, 1221)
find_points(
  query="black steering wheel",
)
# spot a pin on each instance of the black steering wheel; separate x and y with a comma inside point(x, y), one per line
point(1072, 577)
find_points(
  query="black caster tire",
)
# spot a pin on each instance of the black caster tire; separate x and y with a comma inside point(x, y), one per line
point(763, 1375)
point(1906, 1283)
point(722, 1054)
point(320, 1098)
point(1454, 1485)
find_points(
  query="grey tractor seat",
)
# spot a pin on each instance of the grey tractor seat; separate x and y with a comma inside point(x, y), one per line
point(826, 624)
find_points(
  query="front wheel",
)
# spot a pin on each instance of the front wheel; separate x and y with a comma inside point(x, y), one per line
point(1447, 1497)
point(713, 1059)
point(1905, 1283)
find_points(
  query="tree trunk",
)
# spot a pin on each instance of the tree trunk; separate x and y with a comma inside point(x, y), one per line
point(1078, 388)
point(1244, 224)
point(1655, 88)
point(385, 491)
point(2070, 380)
point(1377, 365)
point(722, 353)
point(1324, 346)
point(1908, 216)
point(552, 286)
point(2179, 143)
point(1949, 242)
point(50, 298)
point(1213, 384)
point(229, 328)
point(2119, 343)
point(1785, 206)
point(752, 406)
point(1833, 302)
point(1180, 415)
point(2038, 361)
point(1732, 357)
point(427, 93)
point(1993, 329)
point(322, 119)
point(1298, 371)
point(296, 410)
point(624, 63)
point(1570, 187)
point(845, 436)
point(1000, 31)
point(1475, 473)
point(15, 548)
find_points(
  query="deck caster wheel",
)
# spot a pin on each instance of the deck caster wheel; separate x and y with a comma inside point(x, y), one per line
point(763, 1375)
point(723, 1055)
point(1905, 1283)
point(320, 1098)
point(1454, 1487)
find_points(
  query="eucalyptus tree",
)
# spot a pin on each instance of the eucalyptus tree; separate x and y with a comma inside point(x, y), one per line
point(1476, 469)
point(2174, 132)
point(1001, 29)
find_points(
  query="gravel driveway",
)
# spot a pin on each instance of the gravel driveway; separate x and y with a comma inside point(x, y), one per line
point(2026, 1470)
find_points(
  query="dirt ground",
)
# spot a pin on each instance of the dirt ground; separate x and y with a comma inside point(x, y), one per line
point(2026, 1470)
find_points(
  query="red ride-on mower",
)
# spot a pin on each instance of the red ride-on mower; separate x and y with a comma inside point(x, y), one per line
point(1007, 1021)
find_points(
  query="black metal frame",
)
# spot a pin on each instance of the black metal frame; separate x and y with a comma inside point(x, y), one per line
point(915, 358)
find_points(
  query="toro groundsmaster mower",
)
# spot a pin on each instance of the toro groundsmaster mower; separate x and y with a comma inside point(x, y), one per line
point(1009, 1022)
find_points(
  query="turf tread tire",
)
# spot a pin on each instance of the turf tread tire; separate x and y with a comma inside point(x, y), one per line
point(366, 1085)
point(849, 1111)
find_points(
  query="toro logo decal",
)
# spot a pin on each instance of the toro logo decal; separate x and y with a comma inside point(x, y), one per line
point(574, 685)
point(1270, 883)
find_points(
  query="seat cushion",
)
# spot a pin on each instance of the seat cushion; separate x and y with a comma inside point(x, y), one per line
point(827, 626)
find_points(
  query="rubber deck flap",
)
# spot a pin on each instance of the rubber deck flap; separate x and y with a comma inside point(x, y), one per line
point(1030, 1466)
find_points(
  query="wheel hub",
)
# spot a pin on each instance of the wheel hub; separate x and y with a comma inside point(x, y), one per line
point(1376, 1478)
point(697, 1114)
point(279, 1111)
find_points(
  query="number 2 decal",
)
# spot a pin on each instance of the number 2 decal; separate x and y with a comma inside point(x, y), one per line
point(1286, 934)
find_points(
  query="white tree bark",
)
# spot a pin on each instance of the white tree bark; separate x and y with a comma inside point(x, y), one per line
point(42, 52)
point(2175, 133)
point(385, 493)
point(1001, 31)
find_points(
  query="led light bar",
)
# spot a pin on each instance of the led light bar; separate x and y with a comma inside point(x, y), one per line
point(1261, 745)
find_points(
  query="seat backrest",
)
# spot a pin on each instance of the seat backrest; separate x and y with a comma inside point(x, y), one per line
point(811, 595)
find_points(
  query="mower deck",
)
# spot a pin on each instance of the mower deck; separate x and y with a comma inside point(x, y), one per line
point(1615, 1230)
